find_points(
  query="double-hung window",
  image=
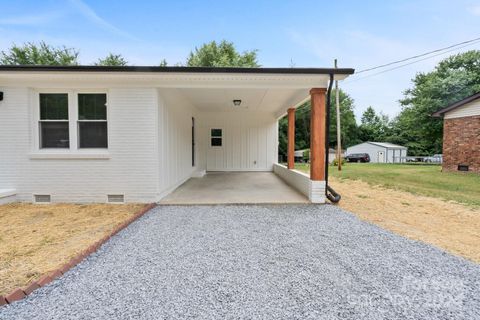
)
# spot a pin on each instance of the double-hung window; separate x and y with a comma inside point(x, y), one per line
point(72, 120)
point(216, 137)
point(92, 120)
point(54, 123)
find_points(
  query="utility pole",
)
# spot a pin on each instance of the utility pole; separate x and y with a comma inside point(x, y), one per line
point(339, 135)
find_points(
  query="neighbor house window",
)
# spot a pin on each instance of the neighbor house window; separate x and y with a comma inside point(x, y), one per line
point(53, 122)
point(216, 137)
point(92, 120)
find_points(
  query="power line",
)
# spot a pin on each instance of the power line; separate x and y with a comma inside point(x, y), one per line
point(419, 55)
point(407, 64)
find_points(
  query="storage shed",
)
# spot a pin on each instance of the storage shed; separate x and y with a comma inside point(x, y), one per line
point(380, 152)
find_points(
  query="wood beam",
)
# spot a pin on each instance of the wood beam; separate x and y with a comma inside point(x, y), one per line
point(317, 134)
point(291, 139)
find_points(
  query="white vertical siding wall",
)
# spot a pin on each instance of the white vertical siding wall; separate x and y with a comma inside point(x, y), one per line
point(174, 140)
point(249, 141)
point(131, 168)
point(396, 155)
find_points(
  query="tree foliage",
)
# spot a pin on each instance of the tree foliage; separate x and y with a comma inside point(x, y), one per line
point(349, 129)
point(163, 63)
point(374, 127)
point(453, 79)
point(112, 60)
point(39, 54)
point(223, 54)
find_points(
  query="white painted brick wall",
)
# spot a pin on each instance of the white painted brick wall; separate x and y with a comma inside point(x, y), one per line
point(314, 190)
point(131, 170)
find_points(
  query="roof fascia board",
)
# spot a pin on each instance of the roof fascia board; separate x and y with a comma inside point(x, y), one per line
point(456, 105)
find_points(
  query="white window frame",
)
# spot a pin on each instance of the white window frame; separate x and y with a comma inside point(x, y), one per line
point(77, 92)
point(73, 152)
point(39, 120)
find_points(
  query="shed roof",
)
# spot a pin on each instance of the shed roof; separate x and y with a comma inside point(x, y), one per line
point(387, 145)
point(456, 105)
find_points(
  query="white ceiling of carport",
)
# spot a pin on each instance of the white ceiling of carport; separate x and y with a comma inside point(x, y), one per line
point(268, 100)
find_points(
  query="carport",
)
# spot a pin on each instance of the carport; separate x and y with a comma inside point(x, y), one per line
point(234, 143)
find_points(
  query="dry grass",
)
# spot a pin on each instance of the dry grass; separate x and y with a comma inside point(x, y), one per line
point(445, 224)
point(36, 239)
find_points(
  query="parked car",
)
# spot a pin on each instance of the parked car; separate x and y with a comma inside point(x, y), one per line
point(358, 157)
point(436, 158)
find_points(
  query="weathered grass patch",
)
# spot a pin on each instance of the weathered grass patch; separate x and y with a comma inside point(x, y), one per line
point(426, 180)
point(36, 239)
point(418, 202)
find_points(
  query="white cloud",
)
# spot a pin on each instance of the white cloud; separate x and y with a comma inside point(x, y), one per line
point(475, 10)
point(91, 15)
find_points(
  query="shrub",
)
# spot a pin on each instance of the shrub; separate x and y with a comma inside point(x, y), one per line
point(335, 162)
point(306, 155)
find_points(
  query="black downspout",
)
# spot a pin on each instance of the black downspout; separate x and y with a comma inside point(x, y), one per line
point(329, 192)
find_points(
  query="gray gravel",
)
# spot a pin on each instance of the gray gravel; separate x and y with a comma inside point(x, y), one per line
point(260, 262)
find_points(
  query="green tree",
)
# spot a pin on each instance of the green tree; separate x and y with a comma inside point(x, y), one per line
point(348, 124)
point(374, 127)
point(163, 63)
point(39, 54)
point(302, 125)
point(112, 60)
point(453, 79)
point(223, 54)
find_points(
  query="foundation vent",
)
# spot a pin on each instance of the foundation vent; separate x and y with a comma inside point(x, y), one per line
point(462, 167)
point(42, 198)
point(115, 198)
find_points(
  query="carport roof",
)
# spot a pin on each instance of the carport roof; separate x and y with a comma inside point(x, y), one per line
point(272, 90)
point(456, 105)
point(84, 68)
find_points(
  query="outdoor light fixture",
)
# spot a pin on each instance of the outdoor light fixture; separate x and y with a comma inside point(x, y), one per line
point(237, 102)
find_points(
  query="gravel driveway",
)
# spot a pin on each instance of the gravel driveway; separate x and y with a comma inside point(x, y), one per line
point(260, 262)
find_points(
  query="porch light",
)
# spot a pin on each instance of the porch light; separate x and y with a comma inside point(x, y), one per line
point(237, 102)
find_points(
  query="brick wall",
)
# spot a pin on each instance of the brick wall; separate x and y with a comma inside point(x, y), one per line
point(461, 143)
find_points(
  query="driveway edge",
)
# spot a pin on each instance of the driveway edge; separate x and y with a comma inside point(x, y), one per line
point(20, 293)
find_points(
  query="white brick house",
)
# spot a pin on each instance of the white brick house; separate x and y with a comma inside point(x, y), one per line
point(82, 134)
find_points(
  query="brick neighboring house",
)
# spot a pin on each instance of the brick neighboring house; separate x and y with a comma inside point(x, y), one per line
point(461, 135)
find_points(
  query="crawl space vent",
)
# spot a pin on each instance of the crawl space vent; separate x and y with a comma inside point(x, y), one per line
point(462, 167)
point(42, 198)
point(115, 198)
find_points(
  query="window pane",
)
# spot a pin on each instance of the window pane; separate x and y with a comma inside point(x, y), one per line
point(54, 134)
point(92, 134)
point(216, 132)
point(216, 142)
point(53, 106)
point(92, 106)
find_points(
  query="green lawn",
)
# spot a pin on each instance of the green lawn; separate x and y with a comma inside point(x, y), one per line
point(425, 180)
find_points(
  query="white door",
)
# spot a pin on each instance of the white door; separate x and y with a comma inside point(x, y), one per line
point(215, 149)
point(381, 156)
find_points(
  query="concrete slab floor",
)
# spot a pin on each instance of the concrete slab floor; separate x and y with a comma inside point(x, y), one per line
point(235, 187)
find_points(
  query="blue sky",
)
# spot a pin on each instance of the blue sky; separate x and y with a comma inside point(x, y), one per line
point(359, 34)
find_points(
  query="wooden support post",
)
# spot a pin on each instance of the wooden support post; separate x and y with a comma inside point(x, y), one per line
point(317, 134)
point(291, 139)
